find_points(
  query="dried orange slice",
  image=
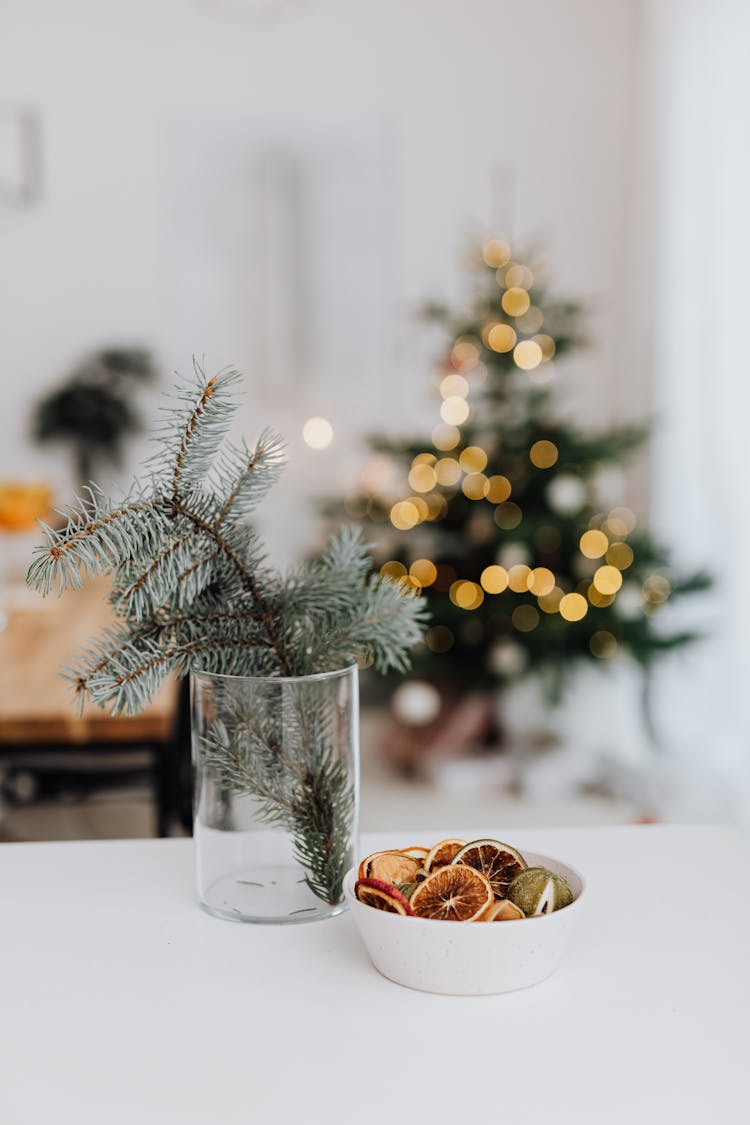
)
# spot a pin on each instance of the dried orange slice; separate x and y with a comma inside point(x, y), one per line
point(372, 892)
point(499, 862)
point(442, 853)
point(391, 867)
point(417, 852)
point(503, 911)
point(454, 893)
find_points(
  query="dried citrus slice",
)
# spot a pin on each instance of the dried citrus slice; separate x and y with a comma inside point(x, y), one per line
point(539, 891)
point(503, 911)
point(364, 868)
point(391, 867)
point(373, 892)
point(408, 889)
point(499, 862)
point(454, 893)
point(417, 852)
point(442, 853)
point(394, 867)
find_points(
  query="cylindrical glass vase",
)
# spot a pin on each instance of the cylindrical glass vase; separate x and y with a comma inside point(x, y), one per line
point(276, 763)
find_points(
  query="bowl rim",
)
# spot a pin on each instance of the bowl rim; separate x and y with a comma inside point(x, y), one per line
point(350, 878)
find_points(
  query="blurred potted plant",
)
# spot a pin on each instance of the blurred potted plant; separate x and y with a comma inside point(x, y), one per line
point(92, 411)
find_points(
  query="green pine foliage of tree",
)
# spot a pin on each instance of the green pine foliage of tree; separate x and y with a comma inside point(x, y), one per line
point(480, 493)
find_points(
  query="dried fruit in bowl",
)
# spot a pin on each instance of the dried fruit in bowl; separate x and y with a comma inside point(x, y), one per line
point(383, 896)
point(454, 893)
point(389, 867)
point(442, 853)
point(479, 881)
point(539, 891)
point(503, 911)
point(499, 862)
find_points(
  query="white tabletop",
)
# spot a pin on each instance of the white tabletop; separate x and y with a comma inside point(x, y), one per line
point(122, 1002)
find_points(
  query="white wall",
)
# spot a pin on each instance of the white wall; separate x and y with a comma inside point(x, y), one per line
point(457, 94)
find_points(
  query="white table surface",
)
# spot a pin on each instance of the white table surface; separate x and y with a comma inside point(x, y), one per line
point(122, 1002)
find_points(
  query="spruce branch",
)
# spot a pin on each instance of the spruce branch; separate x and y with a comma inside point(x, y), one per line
point(192, 591)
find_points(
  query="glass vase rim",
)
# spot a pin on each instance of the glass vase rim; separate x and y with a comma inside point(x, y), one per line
point(310, 678)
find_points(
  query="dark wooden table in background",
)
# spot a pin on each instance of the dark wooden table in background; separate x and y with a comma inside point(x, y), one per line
point(36, 704)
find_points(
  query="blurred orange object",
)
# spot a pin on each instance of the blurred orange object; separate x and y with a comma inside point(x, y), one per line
point(22, 503)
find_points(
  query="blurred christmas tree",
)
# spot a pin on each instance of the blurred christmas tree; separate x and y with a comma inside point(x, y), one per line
point(500, 516)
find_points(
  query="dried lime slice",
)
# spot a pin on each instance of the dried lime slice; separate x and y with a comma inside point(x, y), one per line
point(539, 891)
point(407, 889)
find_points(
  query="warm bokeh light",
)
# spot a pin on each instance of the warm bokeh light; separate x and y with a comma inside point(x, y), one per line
point(448, 471)
point(624, 518)
point(620, 555)
point(424, 459)
point(455, 410)
point(547, 346)
point(501, 338)
point(603, 644)
point(411, 583)
point(508, 515)
point(518, 578)
point(445, 437)
point(404, 515)
point(498, 489)
point(601, 601)
point(518, 277)
point(541, 581)
point(656, 589)
point(593, 544)
point(573, 607)
point(439, 638)
point(424, 570)
point(466, 595)
point(543, 454)
point(494, 579)
point(525, 618)
point(531, 321)
point(474, 486)
point(454, 386)
point(465, 353)
point(437, 505)
point(317, 433)
point(607, 580)
point(473, 459)
point(496, 253)
point(393, 569)
point(527, 355)
point(422, 478)
point(515, 301)
point(550, 603)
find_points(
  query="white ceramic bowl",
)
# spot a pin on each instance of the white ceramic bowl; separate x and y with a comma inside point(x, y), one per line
point(468, 958)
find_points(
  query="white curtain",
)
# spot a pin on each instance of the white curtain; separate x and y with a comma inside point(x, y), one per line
point(696, 134)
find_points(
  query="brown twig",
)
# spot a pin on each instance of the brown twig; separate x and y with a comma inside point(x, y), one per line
point(192, 422)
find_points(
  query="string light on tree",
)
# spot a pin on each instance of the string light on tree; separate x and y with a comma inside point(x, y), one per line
point(526, 558)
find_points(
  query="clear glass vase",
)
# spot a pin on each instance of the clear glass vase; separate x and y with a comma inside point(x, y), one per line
point(276, 763)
